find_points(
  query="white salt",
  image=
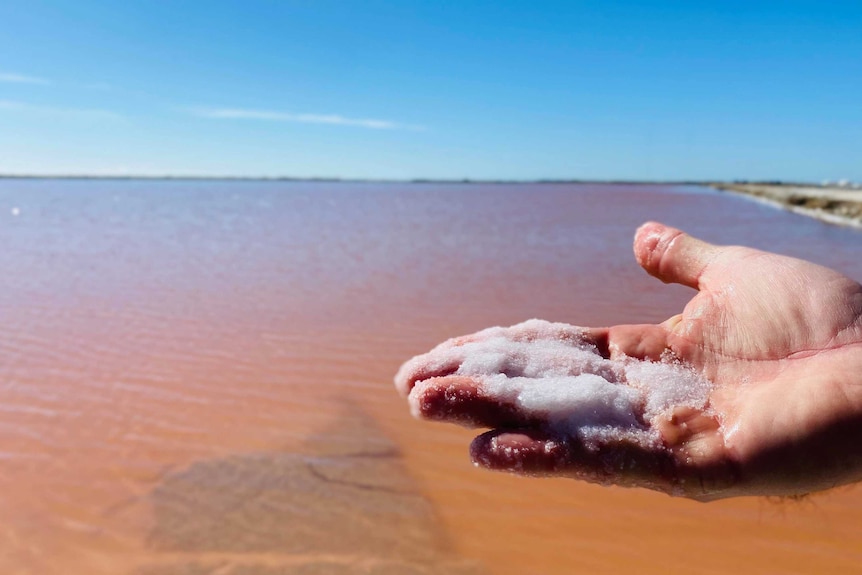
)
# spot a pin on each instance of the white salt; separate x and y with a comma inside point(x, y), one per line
point(549, 371)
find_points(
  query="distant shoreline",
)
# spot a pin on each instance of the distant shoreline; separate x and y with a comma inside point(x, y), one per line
point(835, 205)
point(348, 180)
point(719, 185)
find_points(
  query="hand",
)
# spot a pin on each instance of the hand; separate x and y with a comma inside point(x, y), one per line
point(780, 338)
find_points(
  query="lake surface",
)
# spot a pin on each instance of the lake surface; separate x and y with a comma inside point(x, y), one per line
point(195, 378)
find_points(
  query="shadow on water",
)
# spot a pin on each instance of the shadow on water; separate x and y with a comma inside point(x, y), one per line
point(342, 504)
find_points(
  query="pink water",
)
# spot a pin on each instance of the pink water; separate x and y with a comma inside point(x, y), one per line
point(195, 377)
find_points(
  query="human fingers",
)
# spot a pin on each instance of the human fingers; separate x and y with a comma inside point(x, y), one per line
point(644, 341)
point(425, 367)
point(462, 400)
point(671, 255)
point(522, 443)
point(536, 452)
point(622, 461)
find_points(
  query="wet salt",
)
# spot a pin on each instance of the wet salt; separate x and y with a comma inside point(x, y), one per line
point(550, 371)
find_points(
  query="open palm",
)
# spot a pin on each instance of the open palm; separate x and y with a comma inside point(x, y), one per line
point(781, 339)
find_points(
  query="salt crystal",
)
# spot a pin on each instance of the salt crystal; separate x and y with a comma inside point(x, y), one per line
point(551, 372)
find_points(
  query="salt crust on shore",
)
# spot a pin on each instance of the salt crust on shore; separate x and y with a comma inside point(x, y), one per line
point(839, 206)
point(549, 371)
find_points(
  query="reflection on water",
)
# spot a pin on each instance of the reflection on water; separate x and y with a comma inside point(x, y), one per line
point(195, 377)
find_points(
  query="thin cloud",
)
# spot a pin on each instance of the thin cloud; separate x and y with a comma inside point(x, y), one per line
point(11, 105)
point(22, 79)
point(270, 116)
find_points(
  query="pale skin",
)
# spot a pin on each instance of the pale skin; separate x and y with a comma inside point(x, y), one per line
point(781, 338)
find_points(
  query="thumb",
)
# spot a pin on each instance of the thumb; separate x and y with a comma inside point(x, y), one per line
point(671, 255)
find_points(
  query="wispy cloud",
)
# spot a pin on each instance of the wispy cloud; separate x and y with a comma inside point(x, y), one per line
point(11, 78)
point(82, 113)
point(271, 116)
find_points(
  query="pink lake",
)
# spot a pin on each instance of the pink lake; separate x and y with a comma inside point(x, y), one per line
point(196, 378)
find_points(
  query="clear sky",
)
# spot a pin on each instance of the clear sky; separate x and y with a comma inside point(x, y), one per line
point(624, 89)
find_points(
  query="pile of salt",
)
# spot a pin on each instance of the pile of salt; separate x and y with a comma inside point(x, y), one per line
point(551, 372)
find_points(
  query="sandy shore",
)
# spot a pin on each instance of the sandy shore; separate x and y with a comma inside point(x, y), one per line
point(835, 205)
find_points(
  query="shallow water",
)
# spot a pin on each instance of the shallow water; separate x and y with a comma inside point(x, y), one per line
point(195, 377)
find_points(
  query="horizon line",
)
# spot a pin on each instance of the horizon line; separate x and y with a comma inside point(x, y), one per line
point(417, 180)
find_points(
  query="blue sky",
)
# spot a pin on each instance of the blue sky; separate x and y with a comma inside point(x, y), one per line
point(443, 89)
